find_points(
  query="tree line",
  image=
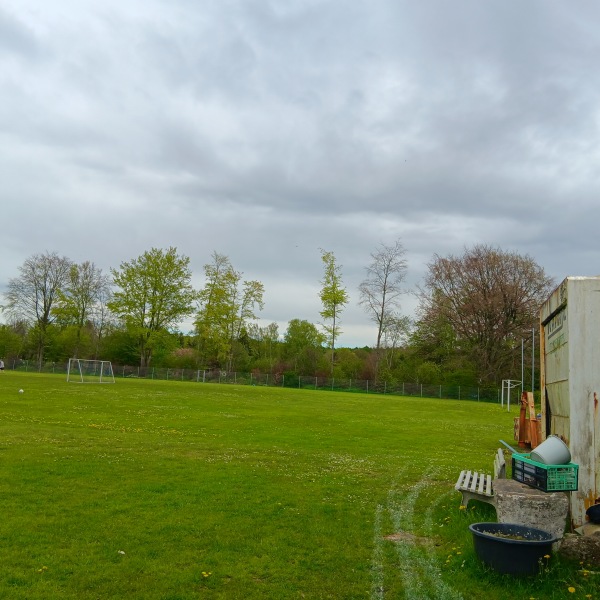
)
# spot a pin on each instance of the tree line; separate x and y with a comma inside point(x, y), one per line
point(474, 312)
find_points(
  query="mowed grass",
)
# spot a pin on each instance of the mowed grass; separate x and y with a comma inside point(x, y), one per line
point(173, 490)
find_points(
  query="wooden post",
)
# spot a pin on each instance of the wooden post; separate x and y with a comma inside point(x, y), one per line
point(523, 422)
point(533, 423)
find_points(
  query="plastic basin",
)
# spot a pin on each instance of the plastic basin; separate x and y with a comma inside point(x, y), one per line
point(510, 548)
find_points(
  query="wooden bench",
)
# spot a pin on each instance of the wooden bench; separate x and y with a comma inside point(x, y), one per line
point(479, 486)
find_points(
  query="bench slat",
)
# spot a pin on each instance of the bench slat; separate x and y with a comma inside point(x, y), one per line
point(474, 481)
point(482, 480)
point(463, 480)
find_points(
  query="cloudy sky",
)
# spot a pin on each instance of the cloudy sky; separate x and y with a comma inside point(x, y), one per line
point(268, 129)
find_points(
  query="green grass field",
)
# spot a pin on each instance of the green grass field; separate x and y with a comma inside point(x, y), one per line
point(172, 490)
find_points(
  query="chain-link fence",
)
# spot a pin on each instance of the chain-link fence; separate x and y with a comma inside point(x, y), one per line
point(455, 392)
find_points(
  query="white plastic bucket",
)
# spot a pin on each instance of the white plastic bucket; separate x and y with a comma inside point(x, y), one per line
point(552, 451)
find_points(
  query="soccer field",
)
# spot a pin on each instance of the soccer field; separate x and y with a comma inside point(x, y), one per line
point(173, 490)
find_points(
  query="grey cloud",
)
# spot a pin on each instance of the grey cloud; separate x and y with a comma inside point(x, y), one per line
point(265, 130)
point(16, 38)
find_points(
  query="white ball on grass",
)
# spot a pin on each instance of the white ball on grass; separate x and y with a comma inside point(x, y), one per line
point(20, 391)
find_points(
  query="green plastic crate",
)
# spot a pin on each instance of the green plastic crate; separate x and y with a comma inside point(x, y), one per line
point(548, 478)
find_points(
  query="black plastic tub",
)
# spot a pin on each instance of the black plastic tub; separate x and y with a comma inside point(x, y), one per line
point(510, 548)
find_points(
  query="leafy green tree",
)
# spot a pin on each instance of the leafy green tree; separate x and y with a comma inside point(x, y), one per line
point(154, 294)
point(82, 299)
point(227, 305)
point(31, 296)
point(348, 364)
point(302, 344)
point(263, 344)
point(12, 340)
point(334, 298)
point(121, 346)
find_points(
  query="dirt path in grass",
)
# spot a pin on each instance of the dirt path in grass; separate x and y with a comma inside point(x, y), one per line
point(420, 571)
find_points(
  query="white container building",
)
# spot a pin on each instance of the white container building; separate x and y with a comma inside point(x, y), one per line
point(570, 381)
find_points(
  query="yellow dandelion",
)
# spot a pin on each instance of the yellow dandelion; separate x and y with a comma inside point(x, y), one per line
point(462, 507)
point(571, 589)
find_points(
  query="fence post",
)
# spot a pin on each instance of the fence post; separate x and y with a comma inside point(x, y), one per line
point(367, 386)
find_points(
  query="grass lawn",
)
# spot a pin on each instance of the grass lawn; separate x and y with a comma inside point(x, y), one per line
point(173, 490)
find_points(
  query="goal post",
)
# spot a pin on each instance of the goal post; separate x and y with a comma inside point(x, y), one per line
point(90, 371)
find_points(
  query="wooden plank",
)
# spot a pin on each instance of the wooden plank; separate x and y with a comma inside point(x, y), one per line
point(473, 485)
point(481, 483)
point(461, 480)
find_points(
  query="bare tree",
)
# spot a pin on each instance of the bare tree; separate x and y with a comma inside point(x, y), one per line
point(32, 295)
point(78, 302)
point(489, 299)
point(380, 291)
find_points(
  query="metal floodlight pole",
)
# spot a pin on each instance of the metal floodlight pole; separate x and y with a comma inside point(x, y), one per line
point(522, 366)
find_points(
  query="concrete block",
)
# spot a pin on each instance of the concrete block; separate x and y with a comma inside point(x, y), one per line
point(581, 548)
point(521, 504)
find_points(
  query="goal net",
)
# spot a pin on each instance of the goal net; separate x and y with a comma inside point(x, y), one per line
point(90, 371)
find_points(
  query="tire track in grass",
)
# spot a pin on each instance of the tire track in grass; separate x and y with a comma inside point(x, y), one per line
point(377, 559)
point(420, 572)
point(441, 589)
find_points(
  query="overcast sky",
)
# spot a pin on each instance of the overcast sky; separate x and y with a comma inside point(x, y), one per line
point(268, 129)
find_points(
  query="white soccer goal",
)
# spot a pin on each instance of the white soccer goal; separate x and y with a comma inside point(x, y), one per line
point(90, 371)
